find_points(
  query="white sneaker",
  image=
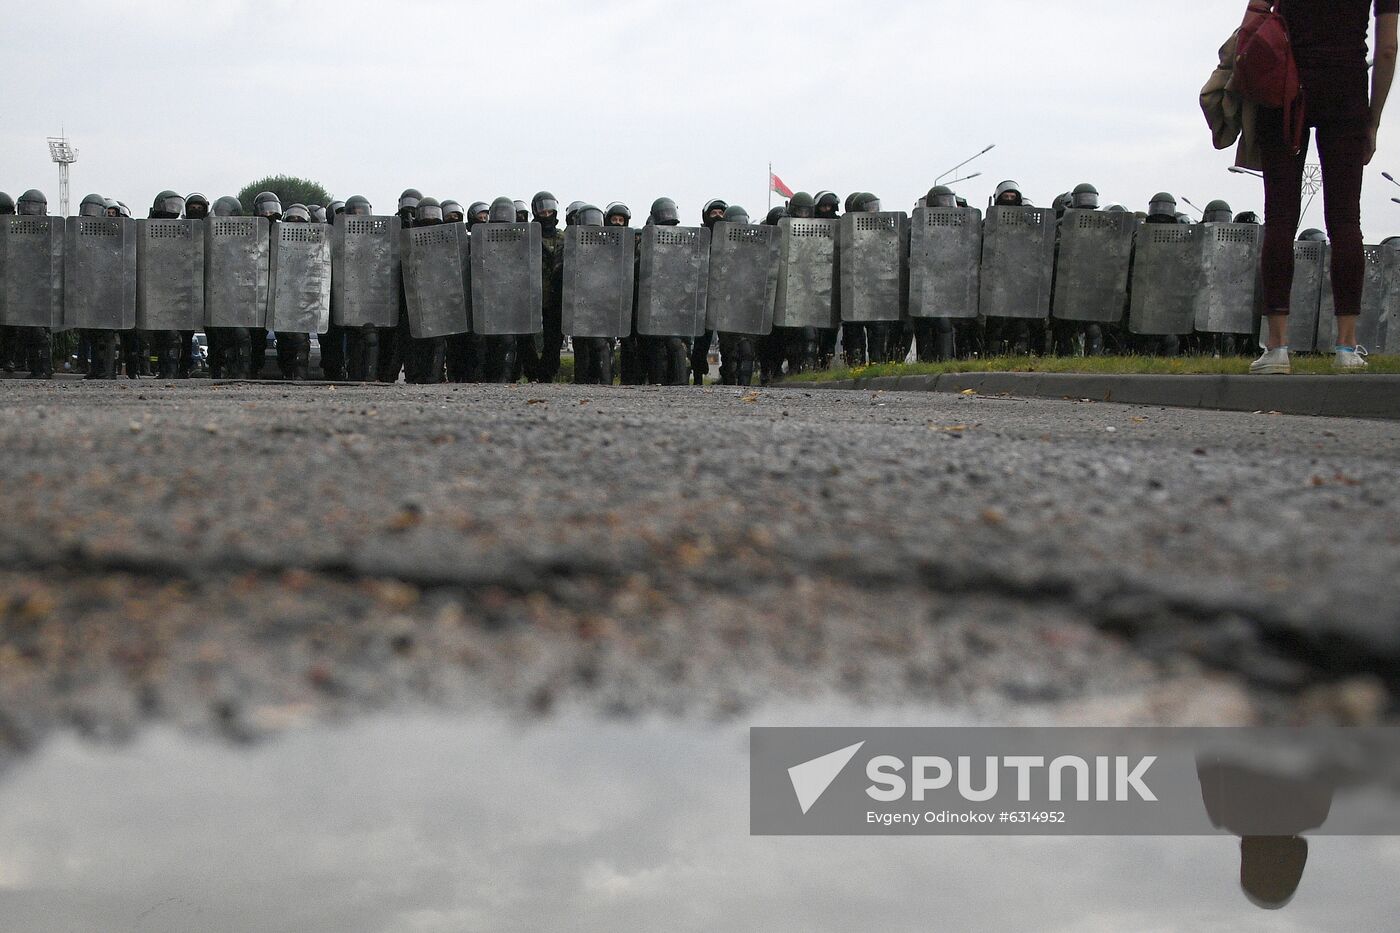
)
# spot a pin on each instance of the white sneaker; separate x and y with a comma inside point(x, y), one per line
point(1350, 359)
point(1272, 363)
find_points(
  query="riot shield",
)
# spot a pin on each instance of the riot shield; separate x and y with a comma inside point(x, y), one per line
point(1225, 298)
point(236, 266)
point(1166, 268)
point(945, 258)
point(1018, 258)
point(806, 295)
point(599, 266)
point(1390, 272)
point(99, 273)
point(170, 274)
point(873, 250)
point(365, 271)
point(299, 292)
point(507, 288)
point(31, 271)
point(673, 276)
point(1091, 269)
point(1368, 324)
point(435, 279)
point(1306, 298)
point(743, 278)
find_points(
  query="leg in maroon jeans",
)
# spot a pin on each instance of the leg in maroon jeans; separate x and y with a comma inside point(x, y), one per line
point(1283, 182)
point(1342, 148)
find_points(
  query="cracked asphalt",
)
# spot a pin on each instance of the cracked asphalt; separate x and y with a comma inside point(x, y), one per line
point(242, 557)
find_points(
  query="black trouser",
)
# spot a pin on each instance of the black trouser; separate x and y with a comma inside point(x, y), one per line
point(668, 361)
point(214, 347)
point(540, 357)
point(393, 346)
point(423, 363)
point(257, 351)
point(362, 353)
point(38, 346)
point(233, 348)
point(898, 340)
point(700, 357)
point(465, 358)
point(293, 355)
point(800, 346)
point(134, 356)
point(333, 353)
point(103, 346)
point(934, 338)
point(593, 361)
point(502, 357)
point(826, 346)
point(167, 349)
point(736, 359)
point(853, 343)
point(632, 361)
point(186, 353)
point(1065, 337)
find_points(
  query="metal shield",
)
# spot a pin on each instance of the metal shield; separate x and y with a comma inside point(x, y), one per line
point(806, 293)
point(1225, 299)
point(236, 266)
point(299, 293)
point(31, 271)
point(507, 288)
point(873, 251)
point(1091, 269)
point(673, 278)
point(366, 271)
point(1390, 271)
point(435, 280)
point(99, 273)
point(743, 278)
point(599, 266)
point(1018, 258)
point(1368, 326)
point(170, 274)
point(1166, 268)
point(1308, 259)
point(945, 259)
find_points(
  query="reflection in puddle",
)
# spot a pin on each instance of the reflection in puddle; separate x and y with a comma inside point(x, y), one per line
point(437, 823)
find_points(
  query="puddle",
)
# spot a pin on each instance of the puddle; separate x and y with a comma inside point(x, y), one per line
point(429, 822)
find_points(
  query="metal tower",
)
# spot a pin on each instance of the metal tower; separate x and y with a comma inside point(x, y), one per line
point(65, 155)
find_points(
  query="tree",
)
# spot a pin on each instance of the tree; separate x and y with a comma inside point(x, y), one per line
point(289, 190)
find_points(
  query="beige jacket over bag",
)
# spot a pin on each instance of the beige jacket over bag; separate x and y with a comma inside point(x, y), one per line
point(1230, 118)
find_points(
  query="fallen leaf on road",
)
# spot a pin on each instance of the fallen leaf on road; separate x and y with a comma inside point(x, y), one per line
point(968, 392)
point(536, 401)
point(751, 397)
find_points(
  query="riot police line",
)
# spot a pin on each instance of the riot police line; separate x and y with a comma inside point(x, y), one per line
point(438, 292)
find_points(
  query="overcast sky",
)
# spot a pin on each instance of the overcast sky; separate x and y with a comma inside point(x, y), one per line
point(615, 100)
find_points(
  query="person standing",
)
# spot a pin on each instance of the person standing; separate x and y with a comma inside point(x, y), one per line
point(1329, 43)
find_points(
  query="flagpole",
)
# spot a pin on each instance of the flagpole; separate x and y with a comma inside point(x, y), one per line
point(770, 187)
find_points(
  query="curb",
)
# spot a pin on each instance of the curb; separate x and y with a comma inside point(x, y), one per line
point(1357, 396)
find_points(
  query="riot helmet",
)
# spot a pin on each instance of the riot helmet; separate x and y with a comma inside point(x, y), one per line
point(7, 204)
point(850, 199)
point(827, 203)
point(775, 215)
point(1085, 197)
point(167, 206)
point(123, 210)
point(866, 203)
point(802, 205)
point(502, 211)
point(1183, 218)
point(1217, 212)
point(1247, 217)
point(267, 204)
point(1062, 203)
point(196, 206)
point(617, 211)
point(1312, 235)
point(317, 212)
point(335, 209)
point(590, 216)
point(94, 205)
point(111, 208)
point(357, 205)
point(940, 196)
point(712, 212)
point(522, 212)
point(664, 213)
point(297, 214)
point(543, 202)
point(735, 214)
point(1116, 209)
point(1161, 205)
point(409, 199)
point(478, 213)
point(1008, 194)
point(428, 213)
point(452, 212)
point(33, 203)
point(228, 206)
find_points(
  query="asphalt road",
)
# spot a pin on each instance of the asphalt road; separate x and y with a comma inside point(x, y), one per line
point(242, 557)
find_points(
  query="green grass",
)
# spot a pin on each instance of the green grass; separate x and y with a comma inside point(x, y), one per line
point(1111, 365)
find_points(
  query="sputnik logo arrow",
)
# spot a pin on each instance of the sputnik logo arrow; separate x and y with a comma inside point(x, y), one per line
point(811, 778)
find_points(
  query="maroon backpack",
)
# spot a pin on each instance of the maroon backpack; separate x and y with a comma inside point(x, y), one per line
point(1266, 72)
